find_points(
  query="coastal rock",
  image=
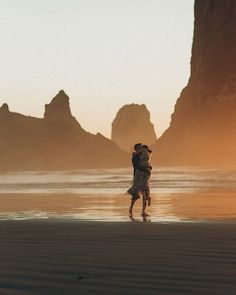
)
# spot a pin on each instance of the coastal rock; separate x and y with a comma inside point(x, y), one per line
point(59, 108)
point(203, 126)
point(132, 125)
point(54, 142)
point(4, 108)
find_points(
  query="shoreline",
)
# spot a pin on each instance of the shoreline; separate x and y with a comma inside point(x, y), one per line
point(206, 206)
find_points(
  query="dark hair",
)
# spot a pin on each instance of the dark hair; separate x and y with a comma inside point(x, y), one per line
point(146, 147)
point(137, 145)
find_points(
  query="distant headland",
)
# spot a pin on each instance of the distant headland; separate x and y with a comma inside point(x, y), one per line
point(56, 141)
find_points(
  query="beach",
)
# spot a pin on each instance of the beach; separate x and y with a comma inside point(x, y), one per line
point(70, 233)
point(117, 147)
point(82, 257)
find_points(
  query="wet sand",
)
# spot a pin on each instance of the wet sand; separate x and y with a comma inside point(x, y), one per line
point(197, 206)
point(82, 257)
point(186, 246)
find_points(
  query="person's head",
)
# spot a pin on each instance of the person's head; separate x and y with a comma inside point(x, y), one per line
point(138, 147)
point(147, 148)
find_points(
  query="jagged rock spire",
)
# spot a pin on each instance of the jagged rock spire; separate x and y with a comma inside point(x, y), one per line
point(58, 108)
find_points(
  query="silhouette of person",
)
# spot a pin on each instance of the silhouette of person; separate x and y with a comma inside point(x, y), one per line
point(141, 176)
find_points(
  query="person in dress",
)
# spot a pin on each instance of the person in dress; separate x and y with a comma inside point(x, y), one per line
point(142, 174)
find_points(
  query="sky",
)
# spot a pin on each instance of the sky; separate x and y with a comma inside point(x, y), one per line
point(102, 53)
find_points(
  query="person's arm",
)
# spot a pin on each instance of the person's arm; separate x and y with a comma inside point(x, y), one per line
point(144, 161)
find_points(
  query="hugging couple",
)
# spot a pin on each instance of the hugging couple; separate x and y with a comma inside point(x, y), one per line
point(142, 173)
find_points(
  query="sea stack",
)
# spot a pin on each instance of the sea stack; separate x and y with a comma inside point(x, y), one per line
point(132, 125)
point(203, 127)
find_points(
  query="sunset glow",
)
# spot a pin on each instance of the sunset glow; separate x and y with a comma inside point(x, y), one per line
point(104, 54)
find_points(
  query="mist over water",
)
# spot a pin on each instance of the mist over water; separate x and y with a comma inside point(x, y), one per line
point(115, 181)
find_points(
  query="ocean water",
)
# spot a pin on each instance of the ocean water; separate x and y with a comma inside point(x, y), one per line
point(115, 181)
point(184, 194)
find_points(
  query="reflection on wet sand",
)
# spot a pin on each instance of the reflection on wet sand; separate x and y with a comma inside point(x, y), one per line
point(201, 206)
point(205, 205)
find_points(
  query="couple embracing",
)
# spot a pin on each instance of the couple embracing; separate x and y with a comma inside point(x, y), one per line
point(142, 173)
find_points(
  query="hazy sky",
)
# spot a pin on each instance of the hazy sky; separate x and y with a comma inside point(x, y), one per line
point(103, 53)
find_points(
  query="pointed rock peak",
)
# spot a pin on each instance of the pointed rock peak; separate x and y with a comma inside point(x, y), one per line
point(61, 95)
point(60, 98)
point(4, 108)
point(62, 92)
point(58, 108)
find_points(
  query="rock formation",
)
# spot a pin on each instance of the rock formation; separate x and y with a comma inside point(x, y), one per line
point(203, 126)
point(131, 125)
point(56, 141)
point(4, 108)
point(59, 108)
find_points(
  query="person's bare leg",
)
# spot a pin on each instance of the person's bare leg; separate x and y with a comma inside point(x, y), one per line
point(131, 208)
point(144, 205)
point(148, 195)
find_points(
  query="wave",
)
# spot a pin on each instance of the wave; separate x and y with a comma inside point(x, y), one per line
point(115, 180)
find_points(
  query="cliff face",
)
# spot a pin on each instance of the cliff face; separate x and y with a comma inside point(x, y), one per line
point(203, 126)
point(55, 142)
point(132, 125)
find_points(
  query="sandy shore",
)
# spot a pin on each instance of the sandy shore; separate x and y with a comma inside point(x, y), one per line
point(78, 257)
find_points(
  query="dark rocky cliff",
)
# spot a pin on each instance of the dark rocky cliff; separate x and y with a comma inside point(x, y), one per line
point(203, 126)
point(132, 125)
point(56, 141)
